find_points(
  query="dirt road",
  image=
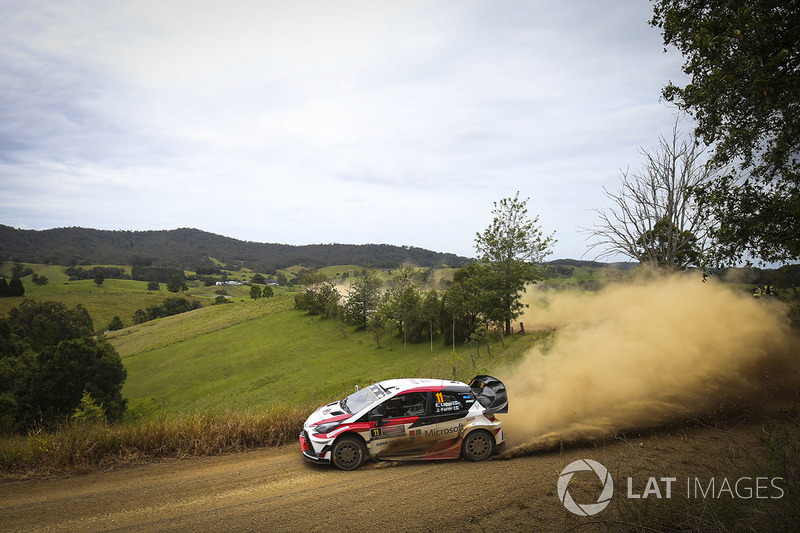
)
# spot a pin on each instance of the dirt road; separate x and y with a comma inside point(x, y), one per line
point(275, 490)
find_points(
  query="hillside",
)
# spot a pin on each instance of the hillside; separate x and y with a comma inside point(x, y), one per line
point(187, 248)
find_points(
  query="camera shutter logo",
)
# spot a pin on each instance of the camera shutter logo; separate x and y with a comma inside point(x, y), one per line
point(585, 509)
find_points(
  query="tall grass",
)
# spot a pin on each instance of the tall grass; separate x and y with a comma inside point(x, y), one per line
point(79, 446)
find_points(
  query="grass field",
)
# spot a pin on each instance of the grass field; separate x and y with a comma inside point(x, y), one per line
point(280, 356)
point(115, 297)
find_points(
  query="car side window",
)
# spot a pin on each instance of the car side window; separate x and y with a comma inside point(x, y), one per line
point(452, 402)
point(405, 405)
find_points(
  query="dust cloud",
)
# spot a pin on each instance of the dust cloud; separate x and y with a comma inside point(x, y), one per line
point(642, 355)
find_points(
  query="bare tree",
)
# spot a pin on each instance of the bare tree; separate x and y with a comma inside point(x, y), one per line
point(656, 218)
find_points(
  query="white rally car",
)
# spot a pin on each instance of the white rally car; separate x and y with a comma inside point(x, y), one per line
point(406, 419)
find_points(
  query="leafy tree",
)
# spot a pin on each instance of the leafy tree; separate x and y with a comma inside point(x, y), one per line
point(48, 358)
point(362, 298)
point(18, 270)
point(267, 292)
point(176, 305)
point(461, 304)
point(115, 324)
point(403, 306)
point(319, 295)
point(48, 323)
point(255, 292)
point(510, 248)
point(177, 283)
point(258, 278)
point(743, 64)
point(4, 290)
point(430, 312)
point(153, 285)
point(99, 278)
point(15, 288)
point(656, 219)
point(39, 281)
point(402, 302)
point(140, 317)
point(73, 366)
point(221, 300)
point(668, 247)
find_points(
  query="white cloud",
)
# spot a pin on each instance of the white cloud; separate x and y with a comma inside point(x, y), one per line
point(317, 121)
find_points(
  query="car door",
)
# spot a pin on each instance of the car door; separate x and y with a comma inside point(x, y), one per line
point(450, 411)
point(398, 421)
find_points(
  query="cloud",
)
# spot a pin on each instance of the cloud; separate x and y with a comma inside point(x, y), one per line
point(310, 111)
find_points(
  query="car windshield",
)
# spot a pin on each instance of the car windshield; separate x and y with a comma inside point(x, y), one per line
point(359, 400)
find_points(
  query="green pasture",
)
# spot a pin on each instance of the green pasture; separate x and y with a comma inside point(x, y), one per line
point(282, 356)
point(115, 297)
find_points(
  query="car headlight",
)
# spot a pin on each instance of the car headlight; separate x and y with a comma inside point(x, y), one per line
point(325, 428)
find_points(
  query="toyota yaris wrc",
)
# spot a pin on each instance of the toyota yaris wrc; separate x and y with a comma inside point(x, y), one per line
point(407, 419)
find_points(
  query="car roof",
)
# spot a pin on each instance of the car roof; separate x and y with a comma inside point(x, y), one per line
point(396, 386)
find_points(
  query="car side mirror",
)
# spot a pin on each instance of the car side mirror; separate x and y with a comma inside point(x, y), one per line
point(378, 418)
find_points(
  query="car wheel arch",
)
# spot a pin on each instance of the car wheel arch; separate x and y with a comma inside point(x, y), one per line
point(358, 440)
point(474, 434)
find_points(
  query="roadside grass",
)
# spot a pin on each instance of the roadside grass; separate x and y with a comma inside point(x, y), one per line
point(78, 447)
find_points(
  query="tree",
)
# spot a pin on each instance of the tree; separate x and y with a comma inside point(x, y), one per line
point(267, 292)
point(430, 311)
point(15, 288)
point(743, 64)
point(68, 369)
point(3, 288)
point(362, 298)
point(115, 324)
point(48, 323)
point(177, 283)
point(319, 296)
point(99, 277)
point(140, 317)
point(153, 285)
point(510, 248)
point(255, 292)
point(656, 219)
point(48, 359)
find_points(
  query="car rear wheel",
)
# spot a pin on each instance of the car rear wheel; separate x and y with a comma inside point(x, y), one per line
point(348, 453)
point(478, 446)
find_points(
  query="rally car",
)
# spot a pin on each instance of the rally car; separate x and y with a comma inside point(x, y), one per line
point(407, 419)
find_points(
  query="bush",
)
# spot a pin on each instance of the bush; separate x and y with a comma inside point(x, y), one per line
point(89, 411)
point(115, 324)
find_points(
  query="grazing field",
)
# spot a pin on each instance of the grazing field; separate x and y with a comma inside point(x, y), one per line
point(272, 354)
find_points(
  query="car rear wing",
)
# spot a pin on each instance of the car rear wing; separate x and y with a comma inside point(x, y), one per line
point(490, 393)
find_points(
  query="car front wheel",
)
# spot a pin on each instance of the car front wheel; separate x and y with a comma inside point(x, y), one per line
point(348, 453)
point(478, 446)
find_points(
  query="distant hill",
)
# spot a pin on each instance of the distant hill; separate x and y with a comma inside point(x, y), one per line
point(188, 248)
point(593, 264)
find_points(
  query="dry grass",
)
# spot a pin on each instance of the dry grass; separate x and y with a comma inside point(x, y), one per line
point(80, 446)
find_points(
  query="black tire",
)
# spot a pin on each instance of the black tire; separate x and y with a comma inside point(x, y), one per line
point(348, 453)
point(478, 446)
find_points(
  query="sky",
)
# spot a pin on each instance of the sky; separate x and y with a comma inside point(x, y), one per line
point(305, 122)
